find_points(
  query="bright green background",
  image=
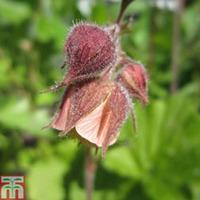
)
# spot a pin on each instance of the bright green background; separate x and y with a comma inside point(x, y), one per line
point(160, 162)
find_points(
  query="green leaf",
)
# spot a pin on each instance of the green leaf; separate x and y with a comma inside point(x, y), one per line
point(76, 192)
point(51, 28)
point(156, 121)
point(17, 114)
point(127, 166)
point(45, 179)
point(190, 19)
point(14, 12)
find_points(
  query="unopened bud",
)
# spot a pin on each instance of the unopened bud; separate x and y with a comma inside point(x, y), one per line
point(134, 78)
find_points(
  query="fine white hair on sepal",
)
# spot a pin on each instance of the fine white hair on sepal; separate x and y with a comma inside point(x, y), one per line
point(125, 92)
point(114, 137)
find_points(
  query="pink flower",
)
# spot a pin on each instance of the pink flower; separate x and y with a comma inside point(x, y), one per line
point(101, 126)
point(95, 104)
point(79, 100)
point(96, 109)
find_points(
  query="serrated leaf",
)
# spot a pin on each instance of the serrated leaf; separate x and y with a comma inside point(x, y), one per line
point(120, 161)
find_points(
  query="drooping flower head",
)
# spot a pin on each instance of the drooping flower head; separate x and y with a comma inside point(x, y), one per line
point(79, 100)
point(95, 105)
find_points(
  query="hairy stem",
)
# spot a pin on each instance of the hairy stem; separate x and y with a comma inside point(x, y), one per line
point(90, 170)
point(124, 5)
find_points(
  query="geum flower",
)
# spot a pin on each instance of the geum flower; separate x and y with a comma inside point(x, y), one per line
point(95, 105)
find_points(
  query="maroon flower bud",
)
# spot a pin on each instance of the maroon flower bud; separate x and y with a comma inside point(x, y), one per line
point(90, 50)
point(134, 78)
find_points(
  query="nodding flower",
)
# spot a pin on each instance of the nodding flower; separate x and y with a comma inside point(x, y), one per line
point(95, 105)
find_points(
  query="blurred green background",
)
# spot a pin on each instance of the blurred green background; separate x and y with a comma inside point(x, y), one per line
point(159, 162)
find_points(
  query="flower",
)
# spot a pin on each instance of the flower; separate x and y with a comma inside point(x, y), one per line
point(101, 126)
point(79, 100)
point(95, 104)
point(96, 109)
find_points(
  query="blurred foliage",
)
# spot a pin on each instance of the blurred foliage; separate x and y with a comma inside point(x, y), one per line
point(160, 161)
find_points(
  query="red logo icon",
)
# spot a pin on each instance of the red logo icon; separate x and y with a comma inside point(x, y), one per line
point(12, 188)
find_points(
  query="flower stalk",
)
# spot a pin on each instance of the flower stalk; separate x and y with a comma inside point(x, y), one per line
point(90, 171)
point(123, 7)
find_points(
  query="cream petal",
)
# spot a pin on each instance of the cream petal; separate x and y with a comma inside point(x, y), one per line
point(88, 127)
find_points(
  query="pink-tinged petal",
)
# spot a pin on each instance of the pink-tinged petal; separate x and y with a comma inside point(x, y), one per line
point(78, 101)
point(134, 78)
point(60, 118)
point(118, 105)
point(101, 126)
point(90, 51)
point(88, 126)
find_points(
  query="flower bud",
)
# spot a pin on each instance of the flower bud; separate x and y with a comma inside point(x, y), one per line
point(90, 51)
point(134, 78)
